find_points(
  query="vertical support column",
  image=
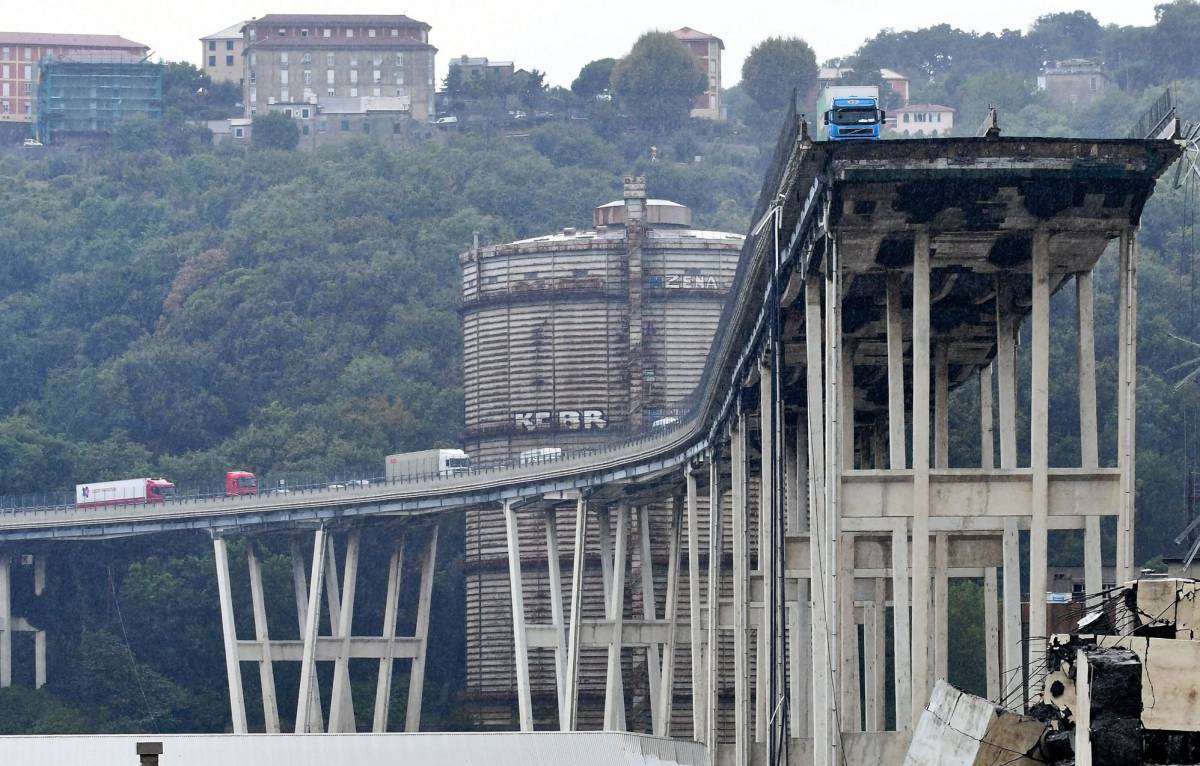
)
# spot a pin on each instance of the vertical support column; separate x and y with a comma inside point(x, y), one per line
point(517, 594)
point(901, 642)
point(879, 648)
point(767, 484)
point(233, 670)
point(606, 572)
point(1089, 447)
point(341, 710)
point(1039, 435)
point(666, 697)
point(554, 565)
point(741, 592)
point(614, 688)
point(308, 697)
point(316, 720)
point(383, 687)
point(716, 551)
point(333, 598)
point(1083, 710)
point(920, 429)
point(870, 670)
point(822, 698)
point(695, 628)
point(416, 680)
point(987, 459)
point(570, 700)
point(1014, 645)
point(895, 368)
point(6, 626)
point(800, 625)
point(834, 464)
point(991, 634)
point(39, 659)
point(941, 405)
point(1127, 406)
point(851, 708)
point(266, 670)
point(649, 612)
point(941, 598)
point(1006, 371)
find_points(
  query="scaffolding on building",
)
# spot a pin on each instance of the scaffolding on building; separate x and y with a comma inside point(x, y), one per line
point(90, 93)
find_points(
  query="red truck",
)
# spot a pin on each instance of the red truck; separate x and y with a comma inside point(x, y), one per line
point(240, 483)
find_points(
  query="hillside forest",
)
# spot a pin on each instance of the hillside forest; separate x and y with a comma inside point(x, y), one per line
point(172, 308)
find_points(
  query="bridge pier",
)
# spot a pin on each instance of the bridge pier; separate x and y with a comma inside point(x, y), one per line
point(340, 646)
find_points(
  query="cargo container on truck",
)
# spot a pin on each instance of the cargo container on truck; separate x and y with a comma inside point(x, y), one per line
point(123, 492)
point(426, 463)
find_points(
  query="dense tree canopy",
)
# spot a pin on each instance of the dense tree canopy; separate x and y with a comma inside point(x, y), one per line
point(777, 67)
point(658, 81)
point(595, 78)
point(274, 130)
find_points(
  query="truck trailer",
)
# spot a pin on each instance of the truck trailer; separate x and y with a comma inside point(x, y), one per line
point(425, 463)
point(123, 492)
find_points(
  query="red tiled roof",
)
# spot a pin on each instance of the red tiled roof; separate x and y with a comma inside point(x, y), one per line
point(107, 42)
point(687, 33)
point(338, 19)
point(924, 108)
point(360, 43)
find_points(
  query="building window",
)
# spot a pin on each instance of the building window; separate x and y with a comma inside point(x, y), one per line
point(282, 32)
point(253, 94)
point(308, 77)
point(397, 129)
point(4, 90)
point(353, 76)
point(370, 33)
point(353, 59)
point(212, 61)
point(306, 59)
point(4, 72)
point(239, 132)
point(377, 76)
point(212, 46)
point(330, 91)
point(283, 58)
point(288, 112)
point(399, 76)
point(327, 33)
point(229, 45)
point(329, 74)
point(345, 125)
point(400, 59)
point(349, 33)
point(28, 89)
point(377, 59)
point(253, 33)
point(4, 106)
point(253, 77)
point(304, 129)
point(283, 77)
point(322, 125)
point(395, 33)
point(304, 33)
point(330, 59)
point(906, 116)
point(253, 58)
point(4, 53)
point(1093, 84)
point(229, 61)
point(305, 113)
point(375, 92)
point(354, 93)
point(283, 95)
point(28, 108)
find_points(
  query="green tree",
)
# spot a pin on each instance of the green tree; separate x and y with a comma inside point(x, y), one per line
point(775, 68)
point(192, 92)
point(274, 131)
point(594, 79)
point(1073, 34)
point(658, 81)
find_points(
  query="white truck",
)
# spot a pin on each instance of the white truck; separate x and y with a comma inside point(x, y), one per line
point(123, 492)
point(426, 463)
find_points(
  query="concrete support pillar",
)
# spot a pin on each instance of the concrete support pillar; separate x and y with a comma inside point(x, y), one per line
point(741, 593)
point(1039, 436)
point(767, 671)
point(991, 633)
point(1006, 371)
point(666, 687)
point(851, 698)
point(6, 625)
point(799, 662)
point(941, 405)
point(233, 669)
point(987, 458)
point(901, 641)
point(716, 550)
point(1014, 647)
point(517, 595)
point(345, 713)
point(266, 671)
point(878, 648)
point(570, 702)
point(695, 626)
point(895, 371)
point(554, 567)
point(843, 684)
point(341, 711)
point(823, 720)
point(416, 681)
point(614, 688)
point(1127, 405)
point(941, 611)
point(649, 612)
point(39, 659)
point(846, 416)
point(920, 429)
point(1089, 445)
point(309, 698)
point(391, 608)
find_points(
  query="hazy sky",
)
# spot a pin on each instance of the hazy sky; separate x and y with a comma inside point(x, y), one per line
point(560, 36)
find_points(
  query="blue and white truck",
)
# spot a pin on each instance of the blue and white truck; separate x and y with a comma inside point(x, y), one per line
point(851, 113)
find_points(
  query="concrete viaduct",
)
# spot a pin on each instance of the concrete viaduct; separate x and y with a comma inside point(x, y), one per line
point(817, 515)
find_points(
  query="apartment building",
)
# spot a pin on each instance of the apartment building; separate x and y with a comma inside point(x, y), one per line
point(707, 50)
point(296, 59)
point(221, 54)
point(20, 53)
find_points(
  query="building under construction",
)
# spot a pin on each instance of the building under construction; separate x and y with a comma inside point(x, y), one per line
point(88, 93)
point(572, 340)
